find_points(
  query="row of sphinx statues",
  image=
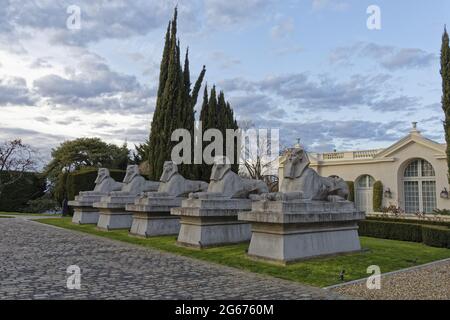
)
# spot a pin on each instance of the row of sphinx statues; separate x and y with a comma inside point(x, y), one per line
point(229, 209)
point(299, 183)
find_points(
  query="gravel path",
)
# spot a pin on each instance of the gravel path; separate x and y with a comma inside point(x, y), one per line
point(34, 259)
point(430, 282)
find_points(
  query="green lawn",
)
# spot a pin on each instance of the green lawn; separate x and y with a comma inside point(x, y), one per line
point(390, 255)
point(28, 214)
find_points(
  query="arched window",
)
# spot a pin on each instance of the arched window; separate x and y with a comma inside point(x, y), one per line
point(364, 193)
point(419, 187)
point(366, 181)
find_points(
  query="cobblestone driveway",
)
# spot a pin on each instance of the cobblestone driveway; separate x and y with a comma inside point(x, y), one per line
point(34, 258)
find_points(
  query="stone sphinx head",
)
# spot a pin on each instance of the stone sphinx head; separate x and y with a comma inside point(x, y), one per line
point(102, 175)
point(221, 166)
point(297, 161)
point(132, 172)
point(169, 169)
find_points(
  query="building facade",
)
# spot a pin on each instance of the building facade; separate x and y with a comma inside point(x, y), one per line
point(413, 172)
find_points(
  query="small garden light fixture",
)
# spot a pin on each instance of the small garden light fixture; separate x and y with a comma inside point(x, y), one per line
point(444, 194)
point(388, 193)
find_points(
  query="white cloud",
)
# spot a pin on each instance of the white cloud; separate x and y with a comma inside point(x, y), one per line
point(336, 5)
point(283, 28)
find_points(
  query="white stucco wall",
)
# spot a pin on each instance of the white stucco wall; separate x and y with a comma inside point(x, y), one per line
point(389, 170)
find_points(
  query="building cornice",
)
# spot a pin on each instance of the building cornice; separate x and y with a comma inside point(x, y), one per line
point(350, 162)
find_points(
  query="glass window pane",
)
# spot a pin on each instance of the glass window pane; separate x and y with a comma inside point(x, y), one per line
point(362, 182)
point(365, 182)
point(427, 169)
point(429, 196)
point(412, 170)
point(411, 196)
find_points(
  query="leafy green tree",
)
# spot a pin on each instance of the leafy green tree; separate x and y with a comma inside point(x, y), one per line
point(80, 153)
point(445, 73)
point(141, 152)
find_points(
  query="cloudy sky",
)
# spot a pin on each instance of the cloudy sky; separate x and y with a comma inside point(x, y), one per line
point(311, 68)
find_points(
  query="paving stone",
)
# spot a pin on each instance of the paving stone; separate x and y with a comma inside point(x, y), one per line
point(34, 259)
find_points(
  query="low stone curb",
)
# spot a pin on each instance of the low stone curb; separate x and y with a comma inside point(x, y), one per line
point(387, 274)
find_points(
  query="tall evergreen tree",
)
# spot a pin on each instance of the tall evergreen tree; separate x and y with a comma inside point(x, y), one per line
point(175, 104)
point(216, 113)
point(445, 73)
point(157, 133)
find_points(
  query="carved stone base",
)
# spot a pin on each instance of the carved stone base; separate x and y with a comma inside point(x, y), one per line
point(212, 222)
point(151, 224)
point(112, 219)
point(112, 212)
point(84, 212)
point(85, 215)
point(151, 216)
point(285, 232)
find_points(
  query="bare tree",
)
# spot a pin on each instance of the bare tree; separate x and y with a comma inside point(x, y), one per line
point(16, 158)
point(255, 160)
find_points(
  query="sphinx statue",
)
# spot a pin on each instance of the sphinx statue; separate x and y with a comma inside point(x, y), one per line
point(151, 210)
point(134, 183)
point(302, 182)
point(225, 183)
point(84, 213)
point(309, 217)
point(173, 184)
point(104, 184)
point(112, 206)
point(210, 218)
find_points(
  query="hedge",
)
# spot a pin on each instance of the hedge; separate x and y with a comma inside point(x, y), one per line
point(435, 236)
point(431, 235)
point(391, 230)
point(15, 196)
point(422, 222)
point(84, 180)
point(377, 196)
point(351, 191)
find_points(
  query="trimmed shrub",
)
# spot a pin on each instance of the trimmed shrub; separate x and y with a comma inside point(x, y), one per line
point(84, 180)
point(431, 235)
point(351, 191)
point(14, 197)
point(377, 196)
point(444, 212)
point(422, 222)
point(59, 192)
point(391, 230)
point(42, 205)
point(436, 236)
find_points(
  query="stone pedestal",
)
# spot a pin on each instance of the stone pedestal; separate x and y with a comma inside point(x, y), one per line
point(84, 213)
point(212, 222)
point(113, 214)
point(151, 216)
point(288, 231)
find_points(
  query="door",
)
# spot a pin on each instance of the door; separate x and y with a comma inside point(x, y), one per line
point(364, 193)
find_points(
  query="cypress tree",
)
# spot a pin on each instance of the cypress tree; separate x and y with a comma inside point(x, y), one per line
point(202, 172)
point(157, 133)
point(232, 124)
point(175, 104)
point(445, 73)
point(216, 113)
